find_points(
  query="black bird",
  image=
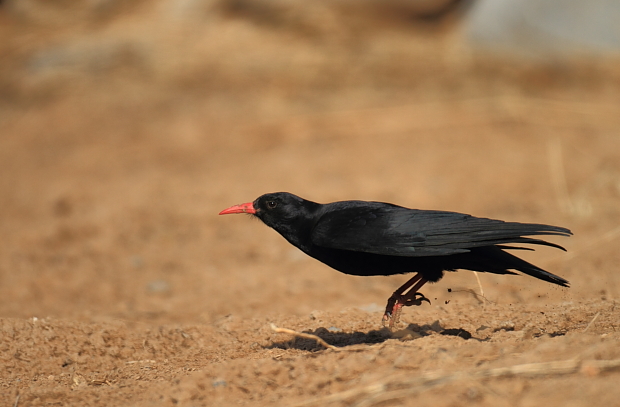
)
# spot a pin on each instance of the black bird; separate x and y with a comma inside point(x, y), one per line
point(375, 238)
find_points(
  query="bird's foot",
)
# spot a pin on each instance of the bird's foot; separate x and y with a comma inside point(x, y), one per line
point(395, 307)
point(416, 300)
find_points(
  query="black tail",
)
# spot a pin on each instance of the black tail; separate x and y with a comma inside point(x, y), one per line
point(507, 261)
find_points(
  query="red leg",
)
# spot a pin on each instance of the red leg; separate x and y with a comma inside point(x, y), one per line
point(398, 294)
point(398, 300)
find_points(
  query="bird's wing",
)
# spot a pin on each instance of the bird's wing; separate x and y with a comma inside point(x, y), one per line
point(393, 230)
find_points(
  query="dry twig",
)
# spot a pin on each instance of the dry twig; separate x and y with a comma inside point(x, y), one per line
point(319, 340)
point(397, 387)
point(479, 286)
point(592, 321)
point(480, 298)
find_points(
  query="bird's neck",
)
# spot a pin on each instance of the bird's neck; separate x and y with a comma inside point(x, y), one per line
point(298, 231)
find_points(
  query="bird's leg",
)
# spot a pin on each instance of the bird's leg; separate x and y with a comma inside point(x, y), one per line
point(398, 300)
point(391, 303)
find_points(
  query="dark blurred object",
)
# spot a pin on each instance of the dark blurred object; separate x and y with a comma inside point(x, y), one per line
point(429, 10)
point(291, 12)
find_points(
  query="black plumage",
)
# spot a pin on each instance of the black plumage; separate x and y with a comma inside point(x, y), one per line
point(375, 238)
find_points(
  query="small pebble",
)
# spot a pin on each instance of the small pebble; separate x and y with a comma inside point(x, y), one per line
point(334, 329)
point(506, 326)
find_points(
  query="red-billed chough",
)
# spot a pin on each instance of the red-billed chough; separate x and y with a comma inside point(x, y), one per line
point(375, 238)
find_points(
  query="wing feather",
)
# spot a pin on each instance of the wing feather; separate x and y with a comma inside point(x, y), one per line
point(387, 229)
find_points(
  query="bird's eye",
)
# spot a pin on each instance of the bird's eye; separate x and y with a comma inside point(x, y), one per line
point(271, 204)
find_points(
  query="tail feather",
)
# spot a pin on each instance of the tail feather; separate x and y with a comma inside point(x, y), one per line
point(509, 261)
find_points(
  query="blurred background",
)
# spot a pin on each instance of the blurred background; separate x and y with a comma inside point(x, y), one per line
point(126, 126)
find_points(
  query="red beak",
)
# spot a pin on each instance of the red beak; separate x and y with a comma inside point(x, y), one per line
point(243, 208)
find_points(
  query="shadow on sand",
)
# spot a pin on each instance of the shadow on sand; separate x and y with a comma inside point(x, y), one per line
point(336, 337)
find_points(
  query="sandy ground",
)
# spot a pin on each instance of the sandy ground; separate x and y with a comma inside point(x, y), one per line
point(122, 136)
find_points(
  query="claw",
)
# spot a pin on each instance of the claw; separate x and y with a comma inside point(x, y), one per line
point(386, 321)
point(416, 301)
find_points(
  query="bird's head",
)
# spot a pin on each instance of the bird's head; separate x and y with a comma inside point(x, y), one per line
point(279, 210)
